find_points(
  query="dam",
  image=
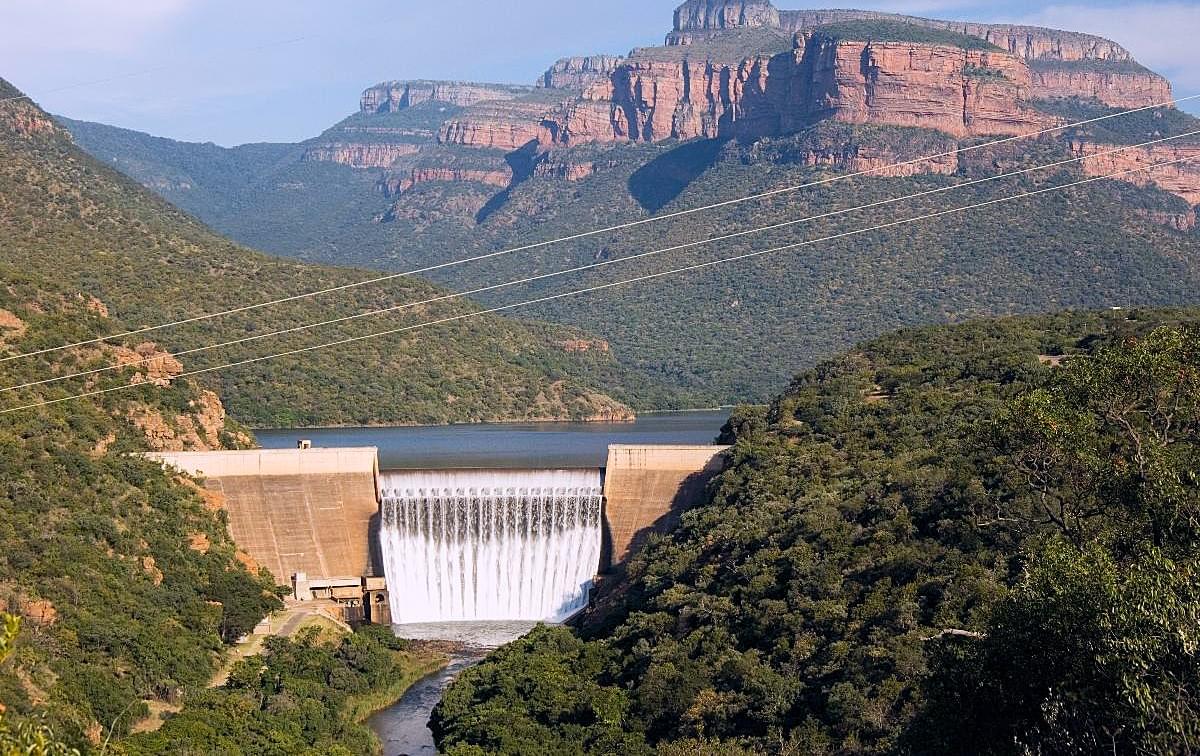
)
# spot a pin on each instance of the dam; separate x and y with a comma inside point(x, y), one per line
point(446, 545)
point(477, 545)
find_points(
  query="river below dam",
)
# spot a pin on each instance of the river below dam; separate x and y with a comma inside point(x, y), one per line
point(452, 529)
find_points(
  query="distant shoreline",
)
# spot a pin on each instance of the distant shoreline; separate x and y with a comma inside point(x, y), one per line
point(563, 421)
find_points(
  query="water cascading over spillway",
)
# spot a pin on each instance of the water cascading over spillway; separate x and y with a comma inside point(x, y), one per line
point(475, 545)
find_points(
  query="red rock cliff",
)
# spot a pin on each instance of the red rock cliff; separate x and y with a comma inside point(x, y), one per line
point(579, 72)
point(391, 96)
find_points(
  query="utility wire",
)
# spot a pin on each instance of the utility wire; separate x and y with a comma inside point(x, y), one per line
point(590, 266)
point(593, 232)
point(600, 287)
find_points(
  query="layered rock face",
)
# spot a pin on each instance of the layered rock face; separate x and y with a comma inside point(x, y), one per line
point(361, 154)
point(1120, 86)
point(696, 19)
point(742, 69)
point(579, 72)
point(960, 92)
point(390, 96)
point(497, 125)
point(563, 168)
point(1181, 179)
point(498, 177)
point(704, 15)
point(649, 99)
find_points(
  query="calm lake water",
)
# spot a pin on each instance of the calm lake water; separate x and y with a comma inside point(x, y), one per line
point(508, 445)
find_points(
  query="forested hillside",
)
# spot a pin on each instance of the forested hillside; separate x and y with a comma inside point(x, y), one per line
point(81, 225)
point(969, 539)
point(126, 580)
point(1116, 246)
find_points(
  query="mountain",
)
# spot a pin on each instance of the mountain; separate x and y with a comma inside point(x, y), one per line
point(742, 97)
point(938, 542)
point(73, 221)
point(124, 578)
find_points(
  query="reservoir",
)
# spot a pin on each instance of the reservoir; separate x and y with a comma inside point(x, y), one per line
point(508, 445)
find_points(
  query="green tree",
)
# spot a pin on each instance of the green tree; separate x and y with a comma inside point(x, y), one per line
point(1097, 649)
point(24, 738)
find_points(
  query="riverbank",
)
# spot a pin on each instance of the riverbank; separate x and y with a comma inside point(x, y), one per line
point(308, 693)
point(418, 662)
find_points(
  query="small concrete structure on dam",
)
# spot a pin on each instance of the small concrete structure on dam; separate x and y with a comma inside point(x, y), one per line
point(489, 542)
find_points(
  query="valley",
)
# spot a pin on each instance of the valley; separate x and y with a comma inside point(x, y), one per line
point(437, 377)
point(737, 101)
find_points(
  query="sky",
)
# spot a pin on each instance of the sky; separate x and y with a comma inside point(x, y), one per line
point(237, 71)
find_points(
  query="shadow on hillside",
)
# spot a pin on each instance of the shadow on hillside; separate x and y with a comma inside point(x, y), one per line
point(661, 180)
point(522, 161)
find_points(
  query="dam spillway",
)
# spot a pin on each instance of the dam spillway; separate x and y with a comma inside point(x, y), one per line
point(480, 545)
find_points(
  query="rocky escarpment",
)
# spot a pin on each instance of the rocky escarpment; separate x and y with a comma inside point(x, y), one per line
point(657, 94)
point(361, 154)
point(962, 92)
point(701, 19)
point(1181, 179)
point(507, 125)
point(396, 184)
point(1117, 85)
point(891, 153)
point(745, 70)
point(391, 96)
point(579, 72)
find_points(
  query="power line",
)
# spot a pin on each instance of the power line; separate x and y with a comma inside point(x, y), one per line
point(600, 287)
point(591, 266)
point(593, 232)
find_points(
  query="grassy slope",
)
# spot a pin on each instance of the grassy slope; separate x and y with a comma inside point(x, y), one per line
point(83, 225)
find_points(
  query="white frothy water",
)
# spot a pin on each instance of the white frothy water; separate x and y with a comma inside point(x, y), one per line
point(472, 545)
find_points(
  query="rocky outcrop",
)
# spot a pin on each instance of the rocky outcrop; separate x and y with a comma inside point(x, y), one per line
point(701, 19)
point(199, 429)
point(708, 15)
point(854, 157)
point(1180, 221)
point(11, 327)
point(564, 168)
point(497, 125)
point(653, 97)
point(1181, 179)
point(961, 92)
point(579, 72)
point(361, 154)
point(25, 120)
point(396, 185)
point(39, 612)
point(390, 96)
point(150, 364)
point(1118, 85)
point(583, 345)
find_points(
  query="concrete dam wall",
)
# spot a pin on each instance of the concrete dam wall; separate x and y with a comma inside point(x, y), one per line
point(296, 510)
point(452, 544)
point(647, 487)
